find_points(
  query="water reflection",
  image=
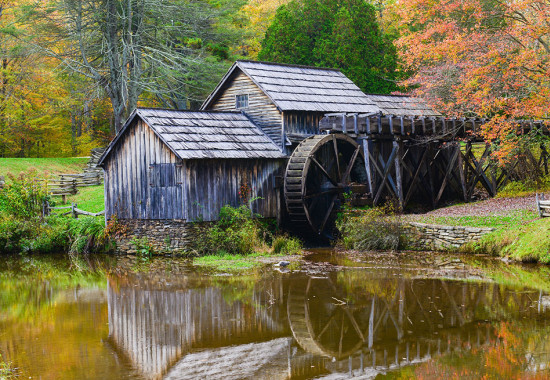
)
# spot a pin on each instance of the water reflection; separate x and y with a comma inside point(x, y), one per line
point(345, 324)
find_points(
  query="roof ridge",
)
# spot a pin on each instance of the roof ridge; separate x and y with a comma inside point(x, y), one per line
point(187, 111)
point(394, 95)
point(289, 65)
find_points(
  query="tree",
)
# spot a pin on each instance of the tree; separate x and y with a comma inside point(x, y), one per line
point(486, 58)
point(341, 34)
point(128, 47)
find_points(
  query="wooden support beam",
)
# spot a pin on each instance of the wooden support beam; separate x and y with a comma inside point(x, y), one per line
point(415, 177)
point(450, 168)
point(385, 174)
point(368, 125)
point(366, 143)
point(461, 173)
point(398, 145)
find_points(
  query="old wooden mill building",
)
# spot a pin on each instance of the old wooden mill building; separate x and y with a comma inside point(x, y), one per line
point(295, 140)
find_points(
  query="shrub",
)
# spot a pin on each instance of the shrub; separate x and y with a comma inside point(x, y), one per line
point(87, 234)
point(237, 231)
point(376, 228)
point(144, 249)
point(23, 196)
point(287, 245)
point(54, 234)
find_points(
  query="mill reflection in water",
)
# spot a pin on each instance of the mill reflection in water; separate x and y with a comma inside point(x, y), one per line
point(345, 324)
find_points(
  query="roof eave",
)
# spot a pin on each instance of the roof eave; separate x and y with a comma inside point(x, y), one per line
point(126, 125)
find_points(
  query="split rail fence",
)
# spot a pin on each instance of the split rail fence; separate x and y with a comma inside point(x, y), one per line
point(73, 210)
point(68, 184)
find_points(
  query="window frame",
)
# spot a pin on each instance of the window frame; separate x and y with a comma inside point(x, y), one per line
point(240, 101)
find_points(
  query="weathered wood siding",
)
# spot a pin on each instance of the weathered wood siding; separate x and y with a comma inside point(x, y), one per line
point(260, 108)
point(211, 184)
point(305, 123)
point(145, 180)
point(136, 186)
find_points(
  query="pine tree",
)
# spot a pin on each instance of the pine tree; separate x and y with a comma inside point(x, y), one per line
point(332, 33)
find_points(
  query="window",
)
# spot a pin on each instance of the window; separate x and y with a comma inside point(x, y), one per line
point(162, 175)
point(241, 101)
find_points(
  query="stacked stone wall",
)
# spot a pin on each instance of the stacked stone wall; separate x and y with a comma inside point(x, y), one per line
point(164, 236)
point(439, 237)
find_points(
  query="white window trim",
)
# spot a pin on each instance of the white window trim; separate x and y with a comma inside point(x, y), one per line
point(247, 101)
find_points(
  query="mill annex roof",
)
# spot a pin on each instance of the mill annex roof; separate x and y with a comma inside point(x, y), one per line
point(300, 88)
point(399, 105)
point(200, 135)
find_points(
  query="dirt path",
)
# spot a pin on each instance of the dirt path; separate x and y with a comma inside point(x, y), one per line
point(488, 207)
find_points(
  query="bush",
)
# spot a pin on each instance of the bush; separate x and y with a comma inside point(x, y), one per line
point(54, 234)
point(88, 234)
point(286, 245)
point(144, 249)
point(372, 229)
point(23, 196)
point(237, 231)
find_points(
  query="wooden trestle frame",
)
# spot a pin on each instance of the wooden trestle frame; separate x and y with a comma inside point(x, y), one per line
point(432, 158)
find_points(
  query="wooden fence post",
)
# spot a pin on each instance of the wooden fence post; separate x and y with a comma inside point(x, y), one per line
point(73, 207)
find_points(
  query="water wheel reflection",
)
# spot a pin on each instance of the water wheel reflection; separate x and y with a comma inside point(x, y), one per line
point(322, 322)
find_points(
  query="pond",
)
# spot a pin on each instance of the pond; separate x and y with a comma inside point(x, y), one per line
point(335, 317)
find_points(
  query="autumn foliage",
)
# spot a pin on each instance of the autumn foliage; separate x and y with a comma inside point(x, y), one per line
point(484, 58)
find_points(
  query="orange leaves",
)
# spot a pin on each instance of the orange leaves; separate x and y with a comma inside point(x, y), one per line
point(480, 58)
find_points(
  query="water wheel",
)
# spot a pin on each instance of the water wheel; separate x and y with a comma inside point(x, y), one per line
point(320, 322)
point(319, 174)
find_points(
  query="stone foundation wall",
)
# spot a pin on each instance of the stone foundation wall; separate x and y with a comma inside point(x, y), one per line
point(438, 237)
point(168, 236)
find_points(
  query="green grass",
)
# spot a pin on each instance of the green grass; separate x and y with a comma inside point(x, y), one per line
point(89, 198)
point(6, 372)
point(527, 243)
point(525, 188)
point(232, 263)
point(43, 166)
point(512, 219)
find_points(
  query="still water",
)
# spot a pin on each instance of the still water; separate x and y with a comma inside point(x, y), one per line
point(115, 318)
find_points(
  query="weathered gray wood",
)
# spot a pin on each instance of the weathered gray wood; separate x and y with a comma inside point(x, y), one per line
point(450, 168)
point(389, 164)
point(398, 145)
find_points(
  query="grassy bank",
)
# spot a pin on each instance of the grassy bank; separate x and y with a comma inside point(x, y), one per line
point(43, 166)
point(528, 243)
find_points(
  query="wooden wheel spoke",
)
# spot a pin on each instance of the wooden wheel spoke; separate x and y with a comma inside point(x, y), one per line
point(335, 144)
point(324, 171)
point(321, 193)
point(354, 324)
point(331, 319)
point(327, 214)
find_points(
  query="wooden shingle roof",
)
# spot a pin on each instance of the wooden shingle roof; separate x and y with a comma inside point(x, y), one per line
point(399, 105)
point(301, 88)
point(202, 135)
